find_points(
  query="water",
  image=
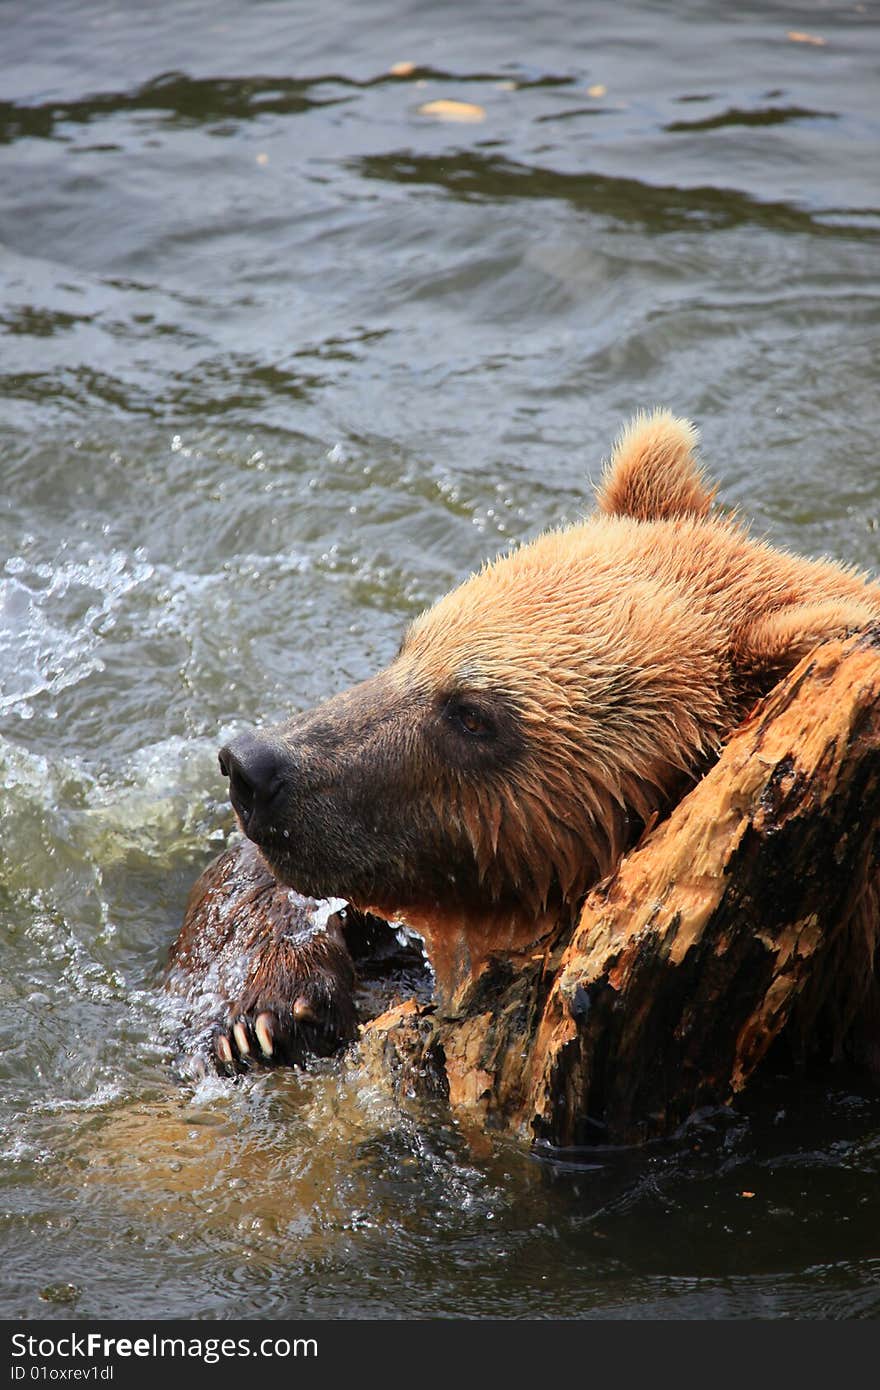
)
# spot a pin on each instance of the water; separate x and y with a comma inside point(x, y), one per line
point(282, 359)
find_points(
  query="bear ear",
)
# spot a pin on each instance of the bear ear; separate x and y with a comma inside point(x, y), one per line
point(653, 474)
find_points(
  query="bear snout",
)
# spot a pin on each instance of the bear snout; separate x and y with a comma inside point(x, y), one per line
point(253, 766)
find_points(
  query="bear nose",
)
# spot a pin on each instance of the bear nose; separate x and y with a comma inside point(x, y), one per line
point(252, 766)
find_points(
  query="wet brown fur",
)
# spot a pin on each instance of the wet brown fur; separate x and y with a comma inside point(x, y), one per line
point(611, 659)
point(246, 952)
point(629, 645)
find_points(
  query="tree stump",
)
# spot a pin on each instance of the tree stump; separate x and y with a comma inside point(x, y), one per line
point(749, 917)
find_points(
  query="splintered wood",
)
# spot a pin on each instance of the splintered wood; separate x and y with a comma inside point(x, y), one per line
point(750, 916)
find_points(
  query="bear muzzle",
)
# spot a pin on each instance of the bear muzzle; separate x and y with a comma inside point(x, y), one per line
point(253, 766)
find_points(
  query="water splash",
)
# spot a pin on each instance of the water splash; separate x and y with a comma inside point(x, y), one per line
point(53, 619)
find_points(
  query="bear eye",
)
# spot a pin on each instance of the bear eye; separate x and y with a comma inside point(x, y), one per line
point(472, 720)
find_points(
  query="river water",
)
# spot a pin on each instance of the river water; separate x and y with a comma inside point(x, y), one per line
point(283, 357)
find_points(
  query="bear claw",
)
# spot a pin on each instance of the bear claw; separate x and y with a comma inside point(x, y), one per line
point(239, 1032)
point(239, 1045)
point(275, 1037)
point(263, 1031)
point(303, 1011)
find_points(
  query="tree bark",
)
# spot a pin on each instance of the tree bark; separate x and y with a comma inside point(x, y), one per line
point(750, 917)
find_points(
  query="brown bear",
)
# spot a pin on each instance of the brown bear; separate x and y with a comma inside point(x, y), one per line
point(542, 714)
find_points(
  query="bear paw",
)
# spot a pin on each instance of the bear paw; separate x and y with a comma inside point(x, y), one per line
point(298, 1002)
point(263, 974)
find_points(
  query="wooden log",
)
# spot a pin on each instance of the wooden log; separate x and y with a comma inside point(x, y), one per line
point(750, 917)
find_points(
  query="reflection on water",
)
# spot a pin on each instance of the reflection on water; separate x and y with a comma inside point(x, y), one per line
point(652, 207)
point(282, 360)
